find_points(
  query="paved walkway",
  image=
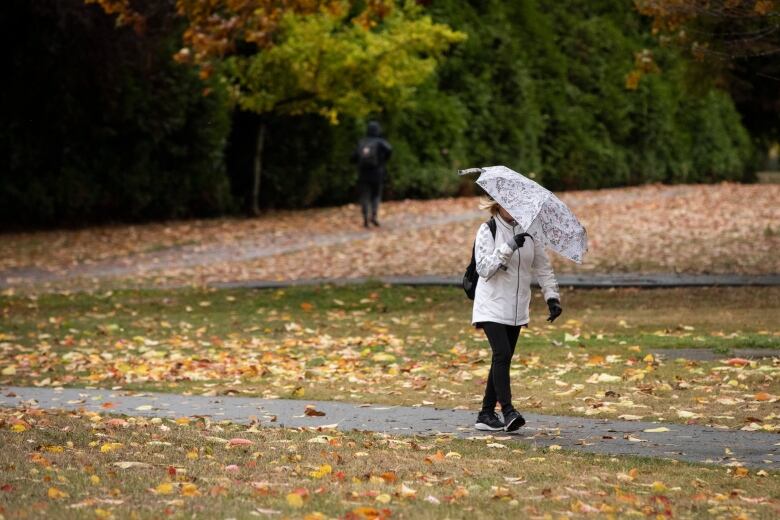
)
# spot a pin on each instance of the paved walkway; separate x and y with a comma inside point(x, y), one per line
point(706, 354)
point(680, 442)
point(585, 281)
point(196, 255)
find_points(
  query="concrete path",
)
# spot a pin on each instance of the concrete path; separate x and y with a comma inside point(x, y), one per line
point(190, 256)
point(680, 442)
point(585, 281)
point(706, 354)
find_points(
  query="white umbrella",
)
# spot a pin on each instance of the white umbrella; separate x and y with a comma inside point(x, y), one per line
point(536, 210)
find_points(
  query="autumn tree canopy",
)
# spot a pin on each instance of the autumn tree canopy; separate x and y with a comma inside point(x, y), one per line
point(737, 42)
point(296, 57)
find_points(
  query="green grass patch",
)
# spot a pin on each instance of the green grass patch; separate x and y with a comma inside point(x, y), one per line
point(407, 345)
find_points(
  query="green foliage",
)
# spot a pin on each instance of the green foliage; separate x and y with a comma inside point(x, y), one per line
point(100, 124)
point(541, 87)
point(327, 64)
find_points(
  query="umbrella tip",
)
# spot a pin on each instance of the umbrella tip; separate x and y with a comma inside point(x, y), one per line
point(469, 170)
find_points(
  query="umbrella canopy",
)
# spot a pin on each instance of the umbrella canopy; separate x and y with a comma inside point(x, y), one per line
point(536, 210)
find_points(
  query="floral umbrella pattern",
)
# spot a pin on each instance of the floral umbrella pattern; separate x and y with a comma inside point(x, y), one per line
point(535, 209)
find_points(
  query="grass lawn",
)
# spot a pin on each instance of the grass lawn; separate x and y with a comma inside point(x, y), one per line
point(403, 345)
point(86, 465)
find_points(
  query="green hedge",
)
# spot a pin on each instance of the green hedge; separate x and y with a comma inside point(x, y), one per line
point(541, 87)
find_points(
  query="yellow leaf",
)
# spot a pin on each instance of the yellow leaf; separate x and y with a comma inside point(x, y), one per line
point(325, 469)
point(18, 427)
point(190, 490)
point(384, 498)
point(658, 486)
point(315, 516)
point(110, 446)
point(94, 479)
point(741, 472)
point(192, 454)
point(56, 494)
point(295, 500)
point(166, 488)
point(383, 357)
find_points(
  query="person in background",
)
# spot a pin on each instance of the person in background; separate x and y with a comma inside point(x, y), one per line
point(505, 262)
point(371, 155)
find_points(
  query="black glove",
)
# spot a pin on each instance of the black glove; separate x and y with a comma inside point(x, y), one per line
point(520, 239)
point(555, 309)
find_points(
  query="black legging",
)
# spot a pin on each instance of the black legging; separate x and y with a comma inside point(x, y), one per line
point(370, 196)
point(503, 339)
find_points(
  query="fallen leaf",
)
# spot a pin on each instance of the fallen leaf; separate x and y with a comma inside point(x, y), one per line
point(166, 488)
point(238, 441)
point(325, 469)
point(110, 446)
point(407, 492)
point(56, 494)
point(127, 464)
point(311, 411)
point(189, 489)
point(295, 500)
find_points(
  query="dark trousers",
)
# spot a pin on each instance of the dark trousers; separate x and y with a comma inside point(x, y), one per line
point(503, 339)
point(370, 195)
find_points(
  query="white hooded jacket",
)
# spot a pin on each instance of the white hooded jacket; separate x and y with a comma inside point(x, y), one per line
point(503, 292)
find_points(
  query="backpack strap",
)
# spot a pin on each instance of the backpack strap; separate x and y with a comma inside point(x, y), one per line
point(492, 225)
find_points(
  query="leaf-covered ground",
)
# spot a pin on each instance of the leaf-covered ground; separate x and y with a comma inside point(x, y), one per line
point(725, 228)
point(88, 465)
point(411, 346)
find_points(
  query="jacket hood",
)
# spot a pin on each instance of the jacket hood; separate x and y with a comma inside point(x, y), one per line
point(373, 129)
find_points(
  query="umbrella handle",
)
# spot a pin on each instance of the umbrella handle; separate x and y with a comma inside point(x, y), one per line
point(470, 170)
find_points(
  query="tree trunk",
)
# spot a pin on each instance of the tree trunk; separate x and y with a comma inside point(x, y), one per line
point(258, 168)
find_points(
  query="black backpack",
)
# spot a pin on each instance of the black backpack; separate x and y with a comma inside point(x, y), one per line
point(368, 154)
point(470, 277)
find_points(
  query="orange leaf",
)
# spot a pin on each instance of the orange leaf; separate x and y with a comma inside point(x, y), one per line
point(311, 411)
point(237, 441)
point(763, 396)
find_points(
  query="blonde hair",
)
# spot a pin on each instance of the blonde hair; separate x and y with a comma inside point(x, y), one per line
point(489, 204)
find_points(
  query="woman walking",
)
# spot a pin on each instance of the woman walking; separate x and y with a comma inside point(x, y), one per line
point(505, 261)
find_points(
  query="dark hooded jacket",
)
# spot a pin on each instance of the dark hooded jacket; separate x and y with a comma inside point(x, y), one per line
point(373, 172)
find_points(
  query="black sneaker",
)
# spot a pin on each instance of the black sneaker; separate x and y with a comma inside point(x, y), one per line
point(489, 421)
point(513, 420)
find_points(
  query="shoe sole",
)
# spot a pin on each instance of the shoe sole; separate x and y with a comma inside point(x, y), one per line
point(487, 428)
point(514, 424)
